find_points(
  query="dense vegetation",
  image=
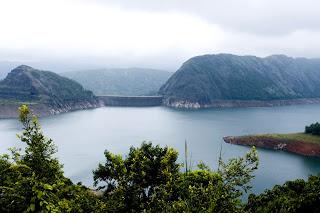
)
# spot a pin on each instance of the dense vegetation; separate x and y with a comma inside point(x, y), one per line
point(205, 79)
point(148, 179)
point(293, 196)
point(127, 82)
point(33, 180)
point(313, 129)
point(27, 84)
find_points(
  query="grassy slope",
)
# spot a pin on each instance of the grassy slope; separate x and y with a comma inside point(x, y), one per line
point(309, 138)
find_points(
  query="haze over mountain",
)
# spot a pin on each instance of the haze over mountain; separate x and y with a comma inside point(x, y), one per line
point(204, 81)
point(157, 34)
point(57, 66)
point(46, 92)
point(127, 82)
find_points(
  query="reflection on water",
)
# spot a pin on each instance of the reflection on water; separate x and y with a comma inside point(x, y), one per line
point(82, 136)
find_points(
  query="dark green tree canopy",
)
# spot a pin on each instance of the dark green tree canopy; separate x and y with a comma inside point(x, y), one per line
point(313, 129)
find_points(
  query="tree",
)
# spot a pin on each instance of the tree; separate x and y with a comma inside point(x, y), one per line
point(39, 151)
point(204, 190)
point(313, 129)
point(293, 196)
point(149, 179)
point(130, 183)
point(33, 180)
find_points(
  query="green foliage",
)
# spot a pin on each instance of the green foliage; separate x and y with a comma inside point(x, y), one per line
point(33, 181)
point(313, 129)
point(149, 179)
point(130, 183)
point(39, 150)
point(293, 196)
point(238, 172)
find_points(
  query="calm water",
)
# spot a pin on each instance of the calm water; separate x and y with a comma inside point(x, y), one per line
point(82, 136)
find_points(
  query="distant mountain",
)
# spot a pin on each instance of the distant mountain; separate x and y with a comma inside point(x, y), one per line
point(127, 82)
point(46, 92)
point(228, 80)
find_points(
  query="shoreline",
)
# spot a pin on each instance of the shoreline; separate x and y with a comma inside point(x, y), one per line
point(240, 103)
point(10, 110)
point(276, 142)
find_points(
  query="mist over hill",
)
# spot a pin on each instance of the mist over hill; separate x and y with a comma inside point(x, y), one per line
point(205, 80)
point(6, 66)
point(127, 82)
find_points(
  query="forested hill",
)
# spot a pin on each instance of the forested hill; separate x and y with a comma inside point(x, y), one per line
point(128, 82)
point(205, 80)
point(44, 90)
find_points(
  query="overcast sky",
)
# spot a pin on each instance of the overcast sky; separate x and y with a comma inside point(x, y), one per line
point(154, 33)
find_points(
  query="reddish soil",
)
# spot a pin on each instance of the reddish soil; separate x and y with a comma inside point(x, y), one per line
point(298, 147)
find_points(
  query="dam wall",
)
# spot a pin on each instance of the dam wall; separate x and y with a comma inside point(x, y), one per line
point(135, 101)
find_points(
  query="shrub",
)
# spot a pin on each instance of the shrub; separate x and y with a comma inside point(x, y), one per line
point(313, 129)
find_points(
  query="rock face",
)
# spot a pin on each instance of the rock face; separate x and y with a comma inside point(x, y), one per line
point(295, 146)
point(46, 93)
point(230, 80)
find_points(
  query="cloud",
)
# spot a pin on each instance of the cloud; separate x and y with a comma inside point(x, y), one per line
point(252, 16)
point(160, 34)
point(67, 28)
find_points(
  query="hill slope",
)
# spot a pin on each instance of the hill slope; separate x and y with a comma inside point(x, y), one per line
point(127, 82)
point(208, 80)
point(47, 92)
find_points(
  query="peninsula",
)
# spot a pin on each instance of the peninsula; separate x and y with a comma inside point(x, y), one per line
point(299, 143)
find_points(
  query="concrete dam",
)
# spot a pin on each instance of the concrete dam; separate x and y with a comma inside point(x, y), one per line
point(134, 101)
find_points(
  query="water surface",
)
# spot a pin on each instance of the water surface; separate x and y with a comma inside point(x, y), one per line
point(83, 136)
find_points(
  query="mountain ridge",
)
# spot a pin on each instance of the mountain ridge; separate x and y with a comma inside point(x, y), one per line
point(203, 80)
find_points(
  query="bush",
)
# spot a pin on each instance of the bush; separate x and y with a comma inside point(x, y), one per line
point(293, 196)
point(149, 179)
point(313, 129)
point(33, 180)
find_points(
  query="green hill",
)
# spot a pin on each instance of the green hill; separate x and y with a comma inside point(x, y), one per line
point(208, 79)
point(46, 91)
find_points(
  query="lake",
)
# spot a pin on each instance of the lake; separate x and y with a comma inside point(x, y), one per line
point(82, 137)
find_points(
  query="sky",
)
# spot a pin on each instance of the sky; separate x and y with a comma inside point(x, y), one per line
point(81, 34)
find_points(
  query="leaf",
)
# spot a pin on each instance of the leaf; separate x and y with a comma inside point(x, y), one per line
point(32, 207)
point(47, 187)
point(39, 195)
